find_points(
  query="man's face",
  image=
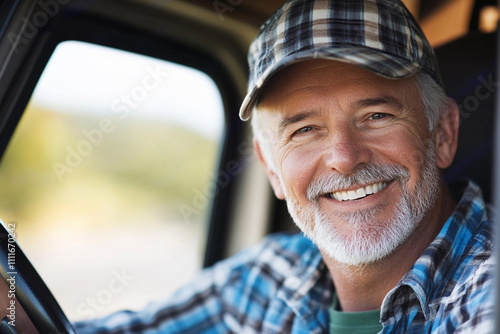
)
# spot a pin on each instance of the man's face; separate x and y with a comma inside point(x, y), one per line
point(353, 157)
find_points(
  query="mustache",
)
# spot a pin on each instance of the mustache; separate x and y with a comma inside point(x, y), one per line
point(364, 175)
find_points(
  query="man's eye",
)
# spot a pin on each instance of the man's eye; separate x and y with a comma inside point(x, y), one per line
point(303, 130)
point(378, 116)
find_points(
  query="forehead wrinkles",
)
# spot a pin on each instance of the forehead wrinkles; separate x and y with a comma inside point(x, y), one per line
point(302, 75)
point(347, 95)
point(306, 97)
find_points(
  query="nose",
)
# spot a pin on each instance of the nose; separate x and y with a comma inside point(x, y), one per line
point(345, 149)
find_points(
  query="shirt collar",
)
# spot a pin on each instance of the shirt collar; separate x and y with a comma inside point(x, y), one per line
point(443, 256)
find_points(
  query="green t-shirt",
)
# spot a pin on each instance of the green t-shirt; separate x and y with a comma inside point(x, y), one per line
point(353, 322)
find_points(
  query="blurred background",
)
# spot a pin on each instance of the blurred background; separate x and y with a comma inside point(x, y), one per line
point(109, 176)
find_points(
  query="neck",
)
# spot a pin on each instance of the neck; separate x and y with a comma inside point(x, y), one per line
point(364, 287)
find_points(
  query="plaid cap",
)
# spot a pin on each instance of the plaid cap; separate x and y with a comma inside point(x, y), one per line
point(378, 35)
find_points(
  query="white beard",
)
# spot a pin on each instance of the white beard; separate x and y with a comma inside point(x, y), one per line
point(367, 240)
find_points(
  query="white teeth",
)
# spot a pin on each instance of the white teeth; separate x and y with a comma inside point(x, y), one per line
point(351, 194)
point(358, 193)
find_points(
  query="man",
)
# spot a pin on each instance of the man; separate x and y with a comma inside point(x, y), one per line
point(352, 127)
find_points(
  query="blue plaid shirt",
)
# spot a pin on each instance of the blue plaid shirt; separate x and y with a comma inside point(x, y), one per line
point(283, 286)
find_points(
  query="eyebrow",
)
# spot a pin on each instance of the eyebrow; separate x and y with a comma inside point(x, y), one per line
point(289, 120)
point(377, 101)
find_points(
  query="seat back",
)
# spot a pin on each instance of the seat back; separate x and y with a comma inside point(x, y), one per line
point(468, 68)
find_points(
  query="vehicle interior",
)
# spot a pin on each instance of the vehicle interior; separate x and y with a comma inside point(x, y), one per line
point(61, 143)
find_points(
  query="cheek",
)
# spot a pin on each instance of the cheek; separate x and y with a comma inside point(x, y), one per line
point(411, 153)
point(298, 169)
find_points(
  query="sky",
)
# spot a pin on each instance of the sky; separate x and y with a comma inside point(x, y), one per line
point(86, 78)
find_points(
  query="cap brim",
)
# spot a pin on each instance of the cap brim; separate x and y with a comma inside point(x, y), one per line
point(388, 66)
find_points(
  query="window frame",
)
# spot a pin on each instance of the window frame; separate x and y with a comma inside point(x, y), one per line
point(98, 23)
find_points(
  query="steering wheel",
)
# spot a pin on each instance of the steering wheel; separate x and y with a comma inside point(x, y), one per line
point(26, 304)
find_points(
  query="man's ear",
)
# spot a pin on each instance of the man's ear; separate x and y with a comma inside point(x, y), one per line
point(271, 174)
point(446, 135)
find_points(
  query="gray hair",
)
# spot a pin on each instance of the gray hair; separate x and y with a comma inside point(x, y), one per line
point(433, 98)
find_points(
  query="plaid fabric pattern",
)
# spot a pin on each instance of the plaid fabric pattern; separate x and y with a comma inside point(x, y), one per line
point(379, 35)
point(283, 286)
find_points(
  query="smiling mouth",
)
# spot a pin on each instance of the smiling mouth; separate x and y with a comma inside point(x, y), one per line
point(352, 195)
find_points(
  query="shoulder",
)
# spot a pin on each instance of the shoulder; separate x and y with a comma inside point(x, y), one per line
point(276, 255)
point(466, 280)
point(287, 247)
point(290, 247)
point(250, 278)
point(243, 287)
point(470, 305)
